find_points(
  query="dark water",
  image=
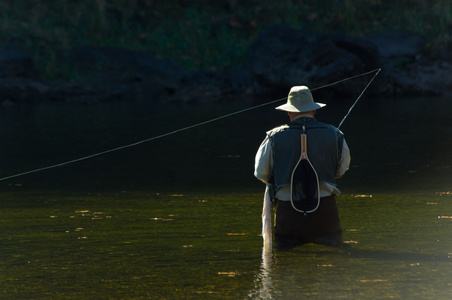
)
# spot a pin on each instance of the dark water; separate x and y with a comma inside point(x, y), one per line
point(179, 217)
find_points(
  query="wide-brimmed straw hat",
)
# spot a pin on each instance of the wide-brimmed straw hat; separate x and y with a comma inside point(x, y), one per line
point(300, 100)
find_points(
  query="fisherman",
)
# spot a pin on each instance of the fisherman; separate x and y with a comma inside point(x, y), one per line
point(276, 160)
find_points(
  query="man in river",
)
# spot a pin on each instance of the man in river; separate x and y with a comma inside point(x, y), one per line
point(278, 156)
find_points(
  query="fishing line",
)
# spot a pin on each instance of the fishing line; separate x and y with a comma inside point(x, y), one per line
point(193, 126)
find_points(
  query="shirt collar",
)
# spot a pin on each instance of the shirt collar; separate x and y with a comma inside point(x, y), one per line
point(305, 115)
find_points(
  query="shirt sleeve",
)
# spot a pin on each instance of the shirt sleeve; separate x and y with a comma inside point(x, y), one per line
point(344, 162)
point(263, 161)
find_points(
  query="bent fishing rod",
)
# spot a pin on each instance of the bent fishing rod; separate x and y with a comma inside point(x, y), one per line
point(200, 124)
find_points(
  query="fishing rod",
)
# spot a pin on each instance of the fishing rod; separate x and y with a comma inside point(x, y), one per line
point(197, 125)
point(359, 97)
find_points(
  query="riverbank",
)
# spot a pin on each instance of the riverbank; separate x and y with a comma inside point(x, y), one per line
point(280, 57)
point(197, 51)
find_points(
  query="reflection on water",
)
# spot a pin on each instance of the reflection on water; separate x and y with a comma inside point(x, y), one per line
point(263, 285)
point(320, 273)
point(180, 217)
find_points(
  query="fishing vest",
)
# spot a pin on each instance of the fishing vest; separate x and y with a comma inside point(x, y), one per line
point(324, 151)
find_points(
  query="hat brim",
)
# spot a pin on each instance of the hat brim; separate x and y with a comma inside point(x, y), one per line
point(301, 108)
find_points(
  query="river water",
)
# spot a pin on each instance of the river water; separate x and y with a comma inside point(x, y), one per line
point(178, 217)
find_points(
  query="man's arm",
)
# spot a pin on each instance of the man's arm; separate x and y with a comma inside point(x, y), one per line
point(263, 161)
point(344, 161)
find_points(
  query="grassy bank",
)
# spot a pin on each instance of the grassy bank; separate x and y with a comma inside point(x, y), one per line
point(198, 33)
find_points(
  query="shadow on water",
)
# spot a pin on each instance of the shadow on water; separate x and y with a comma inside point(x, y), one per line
point(395, 143)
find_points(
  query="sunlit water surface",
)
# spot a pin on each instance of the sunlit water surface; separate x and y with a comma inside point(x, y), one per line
point(178, 217)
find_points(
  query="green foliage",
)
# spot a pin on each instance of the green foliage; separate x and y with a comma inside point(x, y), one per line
point(206, 34)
